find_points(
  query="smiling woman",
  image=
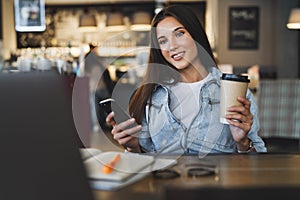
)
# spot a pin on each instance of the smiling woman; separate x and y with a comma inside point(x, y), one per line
point(179, 99)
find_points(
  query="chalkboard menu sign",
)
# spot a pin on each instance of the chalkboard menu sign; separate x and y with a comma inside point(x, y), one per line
point(243, 27)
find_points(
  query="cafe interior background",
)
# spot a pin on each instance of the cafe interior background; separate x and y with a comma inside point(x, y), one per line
point(81, 41)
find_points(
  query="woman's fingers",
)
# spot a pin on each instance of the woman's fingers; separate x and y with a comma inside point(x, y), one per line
point(123, 125)
point(246, 126)
point(244, 108)
point(124, 141)
point(132, 132)
point(241, 116)
point(110, 119)
point(244, 101)
point(125, 136)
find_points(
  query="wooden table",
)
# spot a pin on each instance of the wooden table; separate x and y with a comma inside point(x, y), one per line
point(261, 173)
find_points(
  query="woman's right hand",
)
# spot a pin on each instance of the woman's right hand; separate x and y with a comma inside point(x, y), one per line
point(125, 137)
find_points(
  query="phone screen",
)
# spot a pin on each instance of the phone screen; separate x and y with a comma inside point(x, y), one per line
point(121, 115)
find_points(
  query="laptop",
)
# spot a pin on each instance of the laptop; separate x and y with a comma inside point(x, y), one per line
point(39, 144)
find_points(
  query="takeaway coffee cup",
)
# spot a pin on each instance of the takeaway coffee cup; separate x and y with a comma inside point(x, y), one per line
point(232, 86)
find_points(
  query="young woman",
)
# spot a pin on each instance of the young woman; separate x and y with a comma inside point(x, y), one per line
point(177, 106)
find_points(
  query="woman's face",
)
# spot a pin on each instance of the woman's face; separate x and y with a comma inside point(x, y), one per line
point(176, 43)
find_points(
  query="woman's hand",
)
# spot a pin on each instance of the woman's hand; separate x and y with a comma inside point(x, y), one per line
point(240, 122)
point(125, 137)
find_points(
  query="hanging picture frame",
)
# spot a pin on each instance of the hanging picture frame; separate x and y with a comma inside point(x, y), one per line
point(29, 15)
point(244, 27)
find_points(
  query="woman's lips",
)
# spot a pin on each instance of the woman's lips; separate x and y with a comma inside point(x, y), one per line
point(178, 56)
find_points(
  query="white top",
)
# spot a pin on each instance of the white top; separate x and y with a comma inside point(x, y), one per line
point(184, 100)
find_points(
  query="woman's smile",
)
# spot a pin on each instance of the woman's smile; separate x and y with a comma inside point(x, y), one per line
point(178, 56)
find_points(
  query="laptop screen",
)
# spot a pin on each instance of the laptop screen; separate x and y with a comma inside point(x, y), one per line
point(39, 144)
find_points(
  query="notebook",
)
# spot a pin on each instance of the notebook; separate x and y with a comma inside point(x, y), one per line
point(128, 165)
point(38, 141)
point(130, 168)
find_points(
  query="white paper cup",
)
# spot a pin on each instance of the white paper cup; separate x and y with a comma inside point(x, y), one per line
point(232, 86)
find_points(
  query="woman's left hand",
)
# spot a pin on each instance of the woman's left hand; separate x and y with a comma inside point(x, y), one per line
point(241, 121)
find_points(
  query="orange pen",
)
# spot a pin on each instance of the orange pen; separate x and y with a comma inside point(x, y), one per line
point(108, 168)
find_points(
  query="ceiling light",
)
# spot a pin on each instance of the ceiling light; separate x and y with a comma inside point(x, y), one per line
point(141, 21)
point(294, 19)
point(87, 22)
point(115, 22)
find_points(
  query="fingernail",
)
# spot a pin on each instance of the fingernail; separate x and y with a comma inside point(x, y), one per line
point(132, 119)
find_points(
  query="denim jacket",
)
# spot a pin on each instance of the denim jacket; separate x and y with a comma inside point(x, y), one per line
point(161, 131)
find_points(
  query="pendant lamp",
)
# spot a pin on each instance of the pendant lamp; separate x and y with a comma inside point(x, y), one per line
point(87, 22)
point(115, 22)
point(141, 21)
point(294, 19)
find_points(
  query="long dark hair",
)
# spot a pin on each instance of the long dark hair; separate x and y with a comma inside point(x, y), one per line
point(164, 71)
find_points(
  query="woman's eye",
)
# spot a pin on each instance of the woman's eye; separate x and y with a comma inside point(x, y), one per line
point(179, 34)
point(162, 41)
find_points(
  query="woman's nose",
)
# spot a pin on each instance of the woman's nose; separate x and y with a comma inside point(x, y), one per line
point(173, 44)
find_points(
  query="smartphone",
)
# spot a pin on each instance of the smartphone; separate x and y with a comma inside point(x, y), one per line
point(121, 115)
